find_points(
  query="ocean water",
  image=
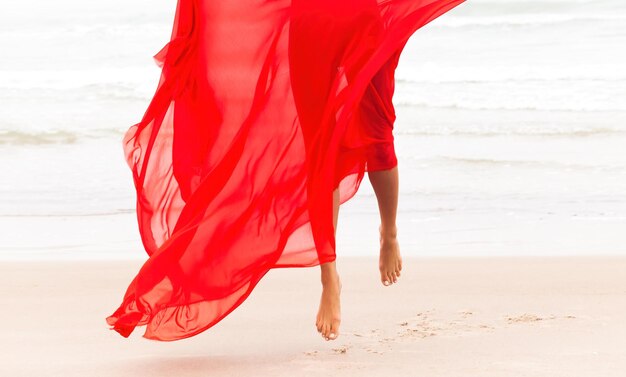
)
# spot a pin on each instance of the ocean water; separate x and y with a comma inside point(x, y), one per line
point(511, 130)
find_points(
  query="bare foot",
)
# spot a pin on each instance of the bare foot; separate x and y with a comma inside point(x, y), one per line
point(390, 261)
point(329, 314)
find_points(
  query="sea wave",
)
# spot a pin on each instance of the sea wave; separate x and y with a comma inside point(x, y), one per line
point(429, 72)
point(15, 137)
point(582, 107)
point(131, 78)
point(124, 211)
point(95, 30)
point(547, 164)
point(518, 131)
point(67, 137)
point(552, 20)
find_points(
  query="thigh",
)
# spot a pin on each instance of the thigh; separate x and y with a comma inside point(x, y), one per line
point(377, 117)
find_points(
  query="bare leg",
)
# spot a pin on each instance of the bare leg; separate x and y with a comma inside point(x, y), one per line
point(385, 184)
point(329, 313)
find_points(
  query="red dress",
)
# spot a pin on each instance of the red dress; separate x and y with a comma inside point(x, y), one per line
point(263, 108)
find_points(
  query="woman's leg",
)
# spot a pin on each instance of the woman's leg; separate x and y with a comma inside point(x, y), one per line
point(329, 314)
point(385, 184)
point(377, 117)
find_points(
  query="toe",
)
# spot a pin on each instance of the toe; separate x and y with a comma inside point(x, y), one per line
point(390, 278)
point(334, 330)
point(384, 278)
point(332, 334)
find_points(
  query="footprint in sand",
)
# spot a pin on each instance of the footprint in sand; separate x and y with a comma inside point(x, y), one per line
point(373, 350)
point(526, 317)
point(426, 324)
point(422, 325)
point(341, 350)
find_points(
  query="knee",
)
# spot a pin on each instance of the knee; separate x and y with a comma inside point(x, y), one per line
point(381, 156)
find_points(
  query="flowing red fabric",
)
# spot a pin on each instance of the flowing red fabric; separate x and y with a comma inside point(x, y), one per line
point(262, 110)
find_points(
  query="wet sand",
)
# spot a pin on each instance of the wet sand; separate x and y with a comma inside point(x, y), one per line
point(510, 316)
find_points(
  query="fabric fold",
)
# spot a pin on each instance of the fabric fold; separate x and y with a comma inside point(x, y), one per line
point(263, 109)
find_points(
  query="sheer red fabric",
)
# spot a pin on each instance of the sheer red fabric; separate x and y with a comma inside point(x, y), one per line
point(263, 108)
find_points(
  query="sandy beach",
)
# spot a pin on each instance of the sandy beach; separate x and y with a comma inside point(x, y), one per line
point(510, 139)
point(513, 316)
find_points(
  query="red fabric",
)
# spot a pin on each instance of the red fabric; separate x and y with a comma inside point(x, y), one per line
point(263, 108)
